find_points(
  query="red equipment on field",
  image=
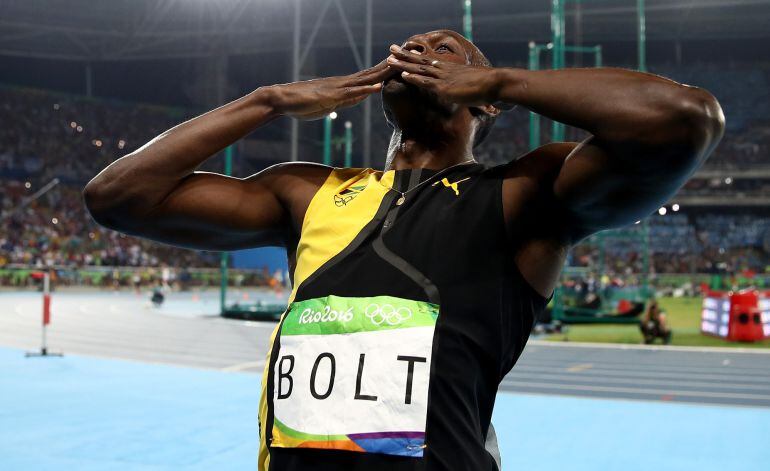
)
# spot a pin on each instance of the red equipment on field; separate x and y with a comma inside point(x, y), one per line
point(46, 279)
point(742, 316)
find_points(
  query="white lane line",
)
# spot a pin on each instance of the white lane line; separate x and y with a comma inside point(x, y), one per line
point(577, 379)
point(245, 366)
point(27, 308)
point(630, 346)
point(120, 355)
point(85, 308)
point(625, 372)
point(578, 395)
point(150, 346)
point(270, 325)
point(580, 367)
point(648, 391)
point(664, 365)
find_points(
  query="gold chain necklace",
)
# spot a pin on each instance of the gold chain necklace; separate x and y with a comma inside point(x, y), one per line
point(403, 194)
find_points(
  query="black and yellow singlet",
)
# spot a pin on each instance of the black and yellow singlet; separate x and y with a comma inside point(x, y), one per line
point(403, 320)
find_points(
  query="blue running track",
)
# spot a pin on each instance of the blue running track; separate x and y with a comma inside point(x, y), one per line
point(81, 413)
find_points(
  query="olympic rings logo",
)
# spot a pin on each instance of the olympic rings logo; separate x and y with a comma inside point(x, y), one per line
point(387, 314)
point(309, 316)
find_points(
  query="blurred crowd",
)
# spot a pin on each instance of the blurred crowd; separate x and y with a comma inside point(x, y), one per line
point(748, 148)
point(47, 135)
point(682, 243)
point(55, 230)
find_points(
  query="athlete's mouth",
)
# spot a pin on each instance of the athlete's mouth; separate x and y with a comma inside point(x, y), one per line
point(395, 78)
point(397, 84)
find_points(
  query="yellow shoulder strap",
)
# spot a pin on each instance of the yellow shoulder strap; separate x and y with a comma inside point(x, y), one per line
point(340, 209)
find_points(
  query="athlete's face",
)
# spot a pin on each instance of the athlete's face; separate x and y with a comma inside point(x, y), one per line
point(402, 100)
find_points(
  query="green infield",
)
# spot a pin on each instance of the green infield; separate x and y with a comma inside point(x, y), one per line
point(683, 317)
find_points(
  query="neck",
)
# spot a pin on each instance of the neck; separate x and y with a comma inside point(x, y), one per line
point(419, 152)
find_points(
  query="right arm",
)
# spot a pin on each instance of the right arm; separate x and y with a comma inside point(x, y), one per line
point(154, 192)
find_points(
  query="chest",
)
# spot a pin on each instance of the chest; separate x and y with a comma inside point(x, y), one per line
point(451, 236)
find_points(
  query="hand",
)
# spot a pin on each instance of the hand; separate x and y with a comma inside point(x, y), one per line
point(466, 85)
point(314, 99)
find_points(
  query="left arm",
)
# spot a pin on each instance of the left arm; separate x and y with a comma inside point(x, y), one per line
point(649, 135)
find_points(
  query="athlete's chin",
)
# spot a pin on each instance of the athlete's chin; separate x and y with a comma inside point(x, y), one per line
point(399, 93)
point(404, 101)
point(396, 86)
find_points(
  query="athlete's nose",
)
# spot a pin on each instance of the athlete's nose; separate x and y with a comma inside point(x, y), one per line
point(413, 45)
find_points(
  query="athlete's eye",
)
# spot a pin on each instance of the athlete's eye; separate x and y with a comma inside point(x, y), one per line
point(443, 47)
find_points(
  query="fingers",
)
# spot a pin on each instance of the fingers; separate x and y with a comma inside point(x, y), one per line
point(322, 111)
point(360, 91)
point(413, 68)
point(421, 81)
point(375, 69)
point(352, 102)
point(412, 56)
point(372, 75)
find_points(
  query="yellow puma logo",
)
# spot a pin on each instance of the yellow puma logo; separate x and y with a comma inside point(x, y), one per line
point(452, 185)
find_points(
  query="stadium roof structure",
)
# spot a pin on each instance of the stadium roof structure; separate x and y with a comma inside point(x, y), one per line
point(87, 30)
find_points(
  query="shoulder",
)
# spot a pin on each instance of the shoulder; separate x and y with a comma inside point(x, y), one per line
point(293, 184)
point(540, 163)
point(287, 179)
point(528, 182)
point(531, 176)
point(294, 171)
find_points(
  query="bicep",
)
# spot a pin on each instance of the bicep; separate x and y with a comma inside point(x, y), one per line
point(214, 212)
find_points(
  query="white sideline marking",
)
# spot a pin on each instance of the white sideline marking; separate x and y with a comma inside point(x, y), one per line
point(628, 346)
point(619, 381)
point(627, 399)
point(650, 391)
point(244, 366)
point(621, 372)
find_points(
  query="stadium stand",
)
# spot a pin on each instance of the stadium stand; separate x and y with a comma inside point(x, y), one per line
point(50, 135)
point(55, 230)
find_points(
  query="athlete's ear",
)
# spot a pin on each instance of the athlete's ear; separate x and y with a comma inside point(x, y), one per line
point(490, 110)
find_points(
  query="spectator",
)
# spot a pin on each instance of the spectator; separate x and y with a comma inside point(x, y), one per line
point(653, 325)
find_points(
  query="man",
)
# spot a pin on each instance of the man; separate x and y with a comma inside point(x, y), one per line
point(653, 324)
point(415, 289)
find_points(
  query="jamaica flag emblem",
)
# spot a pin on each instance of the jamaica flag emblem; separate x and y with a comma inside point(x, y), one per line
point(346, 196)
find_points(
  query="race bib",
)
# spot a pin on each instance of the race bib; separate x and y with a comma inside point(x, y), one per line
point(353, 374)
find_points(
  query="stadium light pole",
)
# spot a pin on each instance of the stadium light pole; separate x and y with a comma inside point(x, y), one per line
point(598, 56)
point(534, 118)
point(327, 156)
point(367, 131)
point(467, 20)
point(348, 144)
point(224, 258)
point(557, 55)
point(295, 66)
point(641, 35)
